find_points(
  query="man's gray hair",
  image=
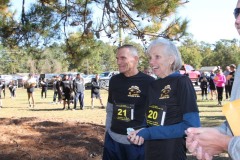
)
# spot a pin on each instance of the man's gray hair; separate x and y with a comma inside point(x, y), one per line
point(132, 49)
point(170, 50)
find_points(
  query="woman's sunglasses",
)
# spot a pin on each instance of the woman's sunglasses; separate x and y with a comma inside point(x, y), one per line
point(236, 12)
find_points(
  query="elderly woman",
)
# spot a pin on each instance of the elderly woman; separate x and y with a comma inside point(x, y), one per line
point(171, 104)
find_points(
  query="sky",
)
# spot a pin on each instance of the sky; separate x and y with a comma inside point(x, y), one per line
point(209, 20)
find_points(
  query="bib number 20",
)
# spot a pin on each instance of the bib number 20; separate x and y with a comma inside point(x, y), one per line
point(152, 114)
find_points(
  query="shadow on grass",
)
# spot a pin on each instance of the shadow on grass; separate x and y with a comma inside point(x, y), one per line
point(211, 121)
point(210, 106)
point(190, 157)
point(48, 109)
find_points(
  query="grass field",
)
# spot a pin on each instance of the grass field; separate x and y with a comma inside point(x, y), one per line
point(15, 111)
point(18, 107)
point(210, 113)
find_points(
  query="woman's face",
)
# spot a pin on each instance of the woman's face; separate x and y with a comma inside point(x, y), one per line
point(160, 61)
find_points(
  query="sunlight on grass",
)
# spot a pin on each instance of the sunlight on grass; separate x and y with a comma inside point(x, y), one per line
point(18, 107)
point(210, 113)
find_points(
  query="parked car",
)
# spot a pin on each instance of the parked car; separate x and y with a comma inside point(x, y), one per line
point(19, 80)
point(49, 78)
point(88, 80)
point(105, 77)
point(71, 75)
point(6, 78)
point(190, 72)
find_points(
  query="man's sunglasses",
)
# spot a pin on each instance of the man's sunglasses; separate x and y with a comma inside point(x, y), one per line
point(236, 12)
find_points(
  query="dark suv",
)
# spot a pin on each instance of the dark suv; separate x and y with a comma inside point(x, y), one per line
point(49, 78)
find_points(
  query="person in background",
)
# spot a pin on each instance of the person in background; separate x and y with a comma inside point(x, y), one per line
point(1, 88)
point(220, 81)
point(55, 91)
point(44, 86)
point(127, 96)
point(212, 85)
point(58, 87)
point(204, 85)
point(12, 88)
point(78, 88)
point(30, 85)
point(231, 77)
point(4, 89)
point(66, 88)
point(171, 106)
point(149, 72)
point(227, 83)
point(95, 91)
point(204, 143)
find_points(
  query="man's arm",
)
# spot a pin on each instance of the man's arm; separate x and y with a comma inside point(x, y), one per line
point(109, 110)
point(234, 148)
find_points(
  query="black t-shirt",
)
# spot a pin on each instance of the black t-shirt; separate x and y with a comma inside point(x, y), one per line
point(177, 93)
point(231, 80)
point(128, 96)
point(95, 86)
point(66, 86)
point(44, 85)
point(58, 85)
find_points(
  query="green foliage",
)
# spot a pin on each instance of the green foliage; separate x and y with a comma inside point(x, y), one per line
point(57, 36)
point(222, 53)
point(206, 53)
point(190, 52)
point(225, 53)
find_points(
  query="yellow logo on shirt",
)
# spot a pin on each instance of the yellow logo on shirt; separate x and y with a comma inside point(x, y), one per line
point(165, 92)
point(134, 91)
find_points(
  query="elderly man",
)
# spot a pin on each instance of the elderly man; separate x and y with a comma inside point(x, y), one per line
point(127, 97)
point(204, 143)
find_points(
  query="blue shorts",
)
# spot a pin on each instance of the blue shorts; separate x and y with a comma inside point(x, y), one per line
point(30, 90)
point(118, 151)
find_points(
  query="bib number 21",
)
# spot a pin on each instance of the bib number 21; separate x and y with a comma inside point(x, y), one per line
point(122, 112)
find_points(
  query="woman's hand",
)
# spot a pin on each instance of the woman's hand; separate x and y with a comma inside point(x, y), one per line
point(134, 138)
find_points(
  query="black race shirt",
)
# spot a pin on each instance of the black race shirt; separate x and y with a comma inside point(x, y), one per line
point(128, 96)
point(177, 93)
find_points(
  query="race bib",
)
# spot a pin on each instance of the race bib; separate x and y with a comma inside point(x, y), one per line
point(123, 112)
point(156, 115)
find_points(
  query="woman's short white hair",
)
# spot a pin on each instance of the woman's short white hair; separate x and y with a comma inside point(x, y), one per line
point(170, 49)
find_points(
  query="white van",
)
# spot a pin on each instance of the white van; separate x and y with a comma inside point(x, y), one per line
point(6, 78)
point(105, 77)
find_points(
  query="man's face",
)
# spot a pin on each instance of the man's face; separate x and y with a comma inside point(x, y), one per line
point(126, 61)
point(237, 21)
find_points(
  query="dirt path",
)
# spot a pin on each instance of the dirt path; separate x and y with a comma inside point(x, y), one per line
point(49, 133)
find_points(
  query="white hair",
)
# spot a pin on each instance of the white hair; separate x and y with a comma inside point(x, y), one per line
point(170, 50)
